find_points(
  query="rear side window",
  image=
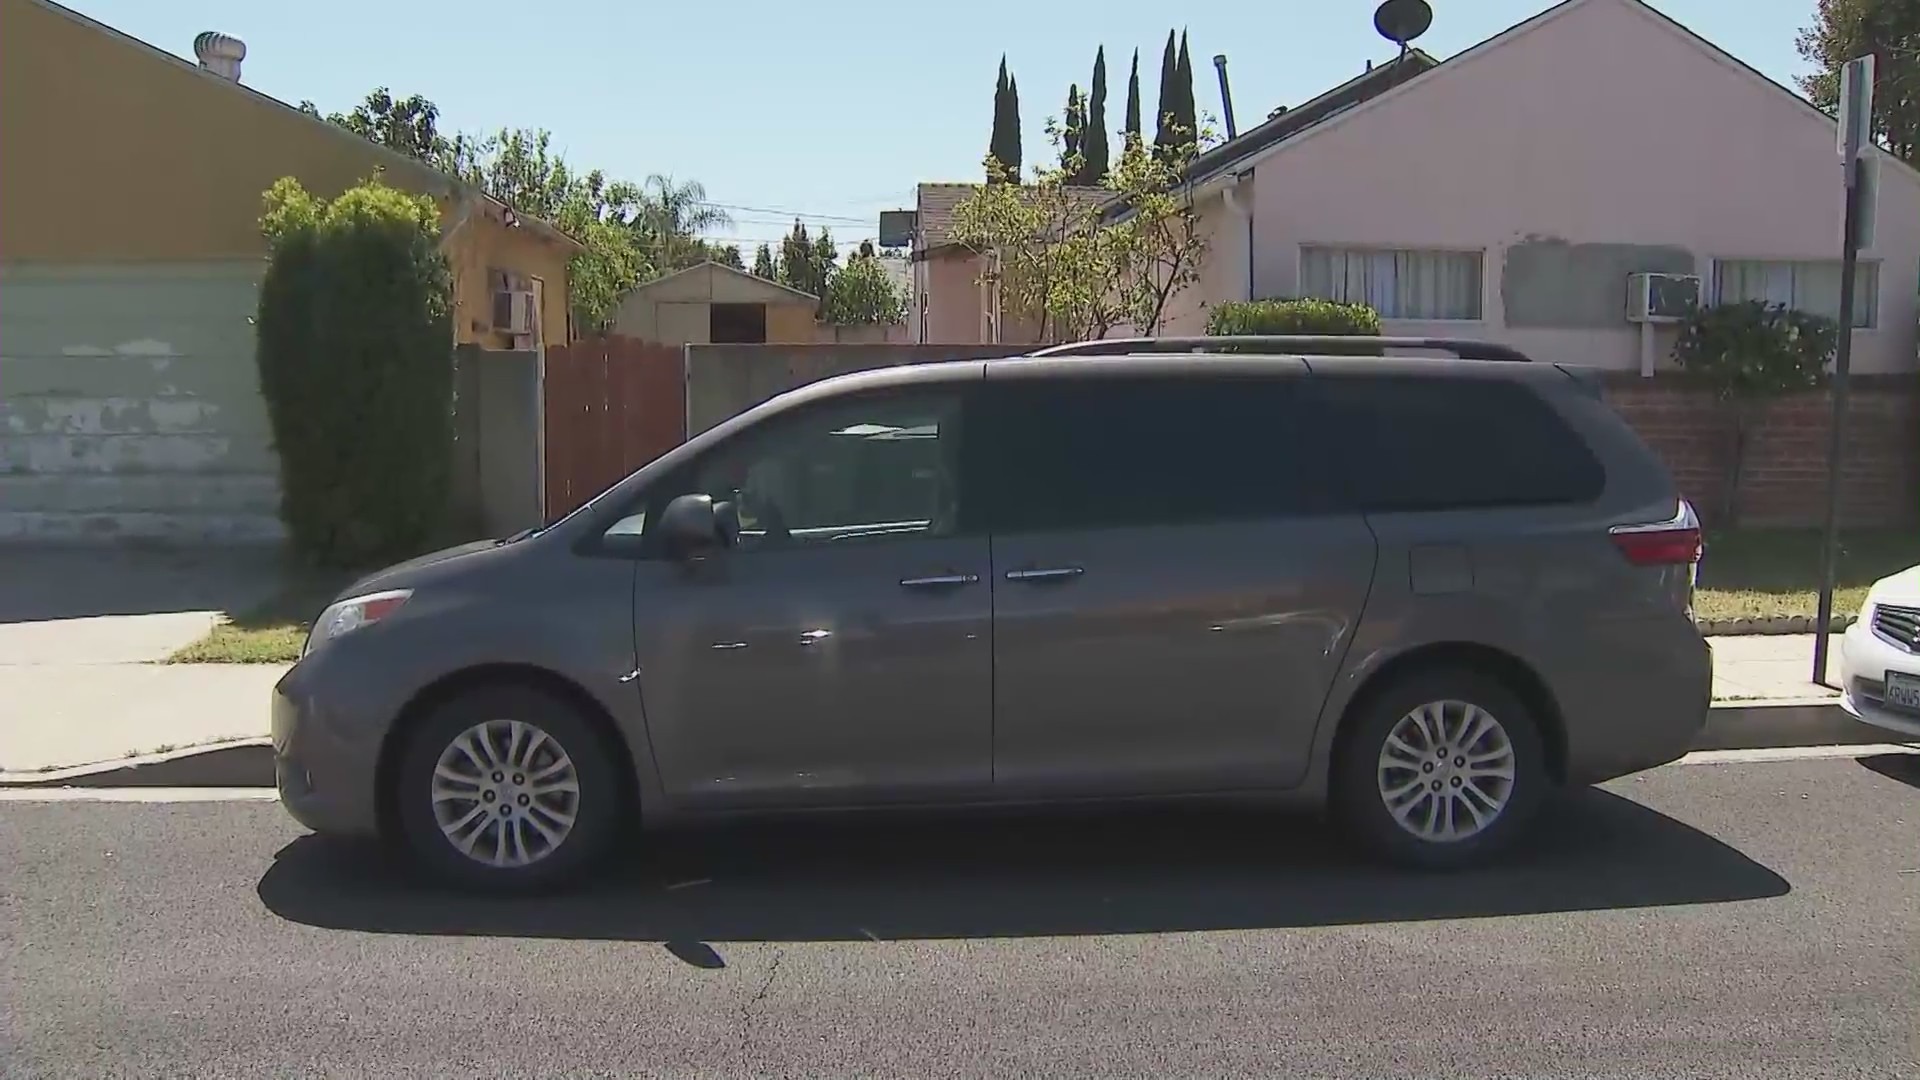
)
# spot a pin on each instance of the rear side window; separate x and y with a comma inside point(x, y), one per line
point(1113, 453)
point(1436, 443)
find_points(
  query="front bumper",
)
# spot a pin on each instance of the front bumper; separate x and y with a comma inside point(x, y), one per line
point(1865, 659)
point(324, 762)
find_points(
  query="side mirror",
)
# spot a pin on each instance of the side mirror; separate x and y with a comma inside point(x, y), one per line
point(690, 526)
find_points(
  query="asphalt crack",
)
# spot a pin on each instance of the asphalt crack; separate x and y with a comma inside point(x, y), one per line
point(748, 1006)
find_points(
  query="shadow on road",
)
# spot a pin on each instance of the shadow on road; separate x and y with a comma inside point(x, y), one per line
point(1902, 767)
point(1105, 873)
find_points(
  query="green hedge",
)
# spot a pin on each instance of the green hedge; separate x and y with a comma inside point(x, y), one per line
point(355, 351)
point(1292, 317)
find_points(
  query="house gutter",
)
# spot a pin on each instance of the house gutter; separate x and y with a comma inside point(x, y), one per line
point(1235, 200)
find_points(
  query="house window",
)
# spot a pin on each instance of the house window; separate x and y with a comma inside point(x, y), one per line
point(1396, 283)
point(1809, 285)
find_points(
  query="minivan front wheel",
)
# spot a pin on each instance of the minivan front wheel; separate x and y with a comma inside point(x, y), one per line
point(506, 788)
point(1441, 769)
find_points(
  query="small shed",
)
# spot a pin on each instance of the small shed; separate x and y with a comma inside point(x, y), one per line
point(714, 304)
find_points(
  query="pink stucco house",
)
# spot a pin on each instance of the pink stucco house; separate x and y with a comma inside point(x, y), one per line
point(1509, 192)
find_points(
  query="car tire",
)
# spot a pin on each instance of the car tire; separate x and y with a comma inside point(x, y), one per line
point(1373, 794)
point(546, 798)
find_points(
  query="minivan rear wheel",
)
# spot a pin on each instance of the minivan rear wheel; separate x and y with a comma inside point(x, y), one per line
point(506, 788)
point(1441, 769)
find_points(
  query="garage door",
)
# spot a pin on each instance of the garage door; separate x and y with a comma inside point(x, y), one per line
point(129, 404)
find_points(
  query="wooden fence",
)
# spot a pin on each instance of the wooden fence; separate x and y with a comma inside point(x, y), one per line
point(612, 405)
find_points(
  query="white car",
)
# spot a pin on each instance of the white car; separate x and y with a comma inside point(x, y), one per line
point(1880, 656)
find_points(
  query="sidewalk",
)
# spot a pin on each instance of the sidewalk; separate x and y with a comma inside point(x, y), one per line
point(80, 631)
point(1771, 667)
point(57, 715)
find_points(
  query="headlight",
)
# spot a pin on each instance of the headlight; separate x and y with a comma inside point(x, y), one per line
point(353, 613)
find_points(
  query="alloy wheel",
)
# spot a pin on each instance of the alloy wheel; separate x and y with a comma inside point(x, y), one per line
point(505, 793)
point(1446, 771)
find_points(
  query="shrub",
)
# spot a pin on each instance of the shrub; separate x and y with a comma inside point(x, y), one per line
point(1308, 316)
point(1747, 354)
point(355, 352)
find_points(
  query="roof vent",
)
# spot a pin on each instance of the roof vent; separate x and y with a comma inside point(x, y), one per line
point(220, 54)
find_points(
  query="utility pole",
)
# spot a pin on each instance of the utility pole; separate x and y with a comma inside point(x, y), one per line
point(1856, 152)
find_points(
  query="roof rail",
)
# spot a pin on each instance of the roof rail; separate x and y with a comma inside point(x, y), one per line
point(1323, 344)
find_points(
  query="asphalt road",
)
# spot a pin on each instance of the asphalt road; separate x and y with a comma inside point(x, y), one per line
point(1754, 920)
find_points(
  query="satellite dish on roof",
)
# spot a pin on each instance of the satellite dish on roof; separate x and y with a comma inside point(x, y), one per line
point(1400, 21)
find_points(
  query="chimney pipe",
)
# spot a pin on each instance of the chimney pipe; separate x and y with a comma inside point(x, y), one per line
point(220, 54)
point(1226, 94)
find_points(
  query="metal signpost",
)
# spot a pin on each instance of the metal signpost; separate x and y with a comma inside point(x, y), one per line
point(1856, 158)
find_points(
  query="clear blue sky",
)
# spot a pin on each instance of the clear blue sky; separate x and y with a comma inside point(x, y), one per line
point(831, 109)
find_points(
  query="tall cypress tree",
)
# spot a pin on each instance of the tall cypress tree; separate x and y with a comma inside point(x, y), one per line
point(1169, 66)
point(1093, 137)
point(1186, 110)
point(1133, 105)
point(998, 143)
point(1073, 136)
point(1013, 128)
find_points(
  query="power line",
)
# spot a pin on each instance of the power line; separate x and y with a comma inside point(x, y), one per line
point(787, 213)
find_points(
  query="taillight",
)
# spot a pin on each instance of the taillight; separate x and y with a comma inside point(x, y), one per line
point(1673, 542)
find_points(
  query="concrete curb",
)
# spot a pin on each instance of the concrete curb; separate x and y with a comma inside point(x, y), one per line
point(240, 763)
point(1771, 724)
point(1731, 725)
point(1772, 624)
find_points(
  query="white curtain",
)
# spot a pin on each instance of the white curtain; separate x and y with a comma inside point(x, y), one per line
point(1399, 284)
point(1812, 286)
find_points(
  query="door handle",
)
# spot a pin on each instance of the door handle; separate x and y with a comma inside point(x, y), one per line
point(1056, 573)
point(938, 581)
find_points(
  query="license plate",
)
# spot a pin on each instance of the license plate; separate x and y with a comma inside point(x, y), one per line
point(1903, 692)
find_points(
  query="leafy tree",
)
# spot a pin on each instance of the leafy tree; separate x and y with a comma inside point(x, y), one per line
point(1004, 145)
point(800, 264)
point(863, 292)
point(826, 255)
point(1077, 270)
point(1093, 137)
point(353, 349)
point(1749, 354)
point(1890, 30)
point(1132, 130)
point(408, 125)
point(630, 232)
point(520, 169)
point(725, 254)
point(763, 266)
point(1163, 115)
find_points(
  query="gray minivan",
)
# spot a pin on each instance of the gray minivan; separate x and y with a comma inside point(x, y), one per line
point(1419, 591)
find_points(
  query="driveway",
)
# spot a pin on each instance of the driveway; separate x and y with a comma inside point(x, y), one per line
point(80, 631)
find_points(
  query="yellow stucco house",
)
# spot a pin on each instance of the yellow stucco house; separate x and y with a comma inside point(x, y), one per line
point(130, 258)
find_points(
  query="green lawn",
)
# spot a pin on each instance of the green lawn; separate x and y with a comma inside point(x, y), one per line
point(1761, 573)
point(271, 633)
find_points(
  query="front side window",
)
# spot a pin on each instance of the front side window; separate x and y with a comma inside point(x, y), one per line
point(1125, 452)
point(859, 470)
point(1809, 285)
point(1398, 283)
